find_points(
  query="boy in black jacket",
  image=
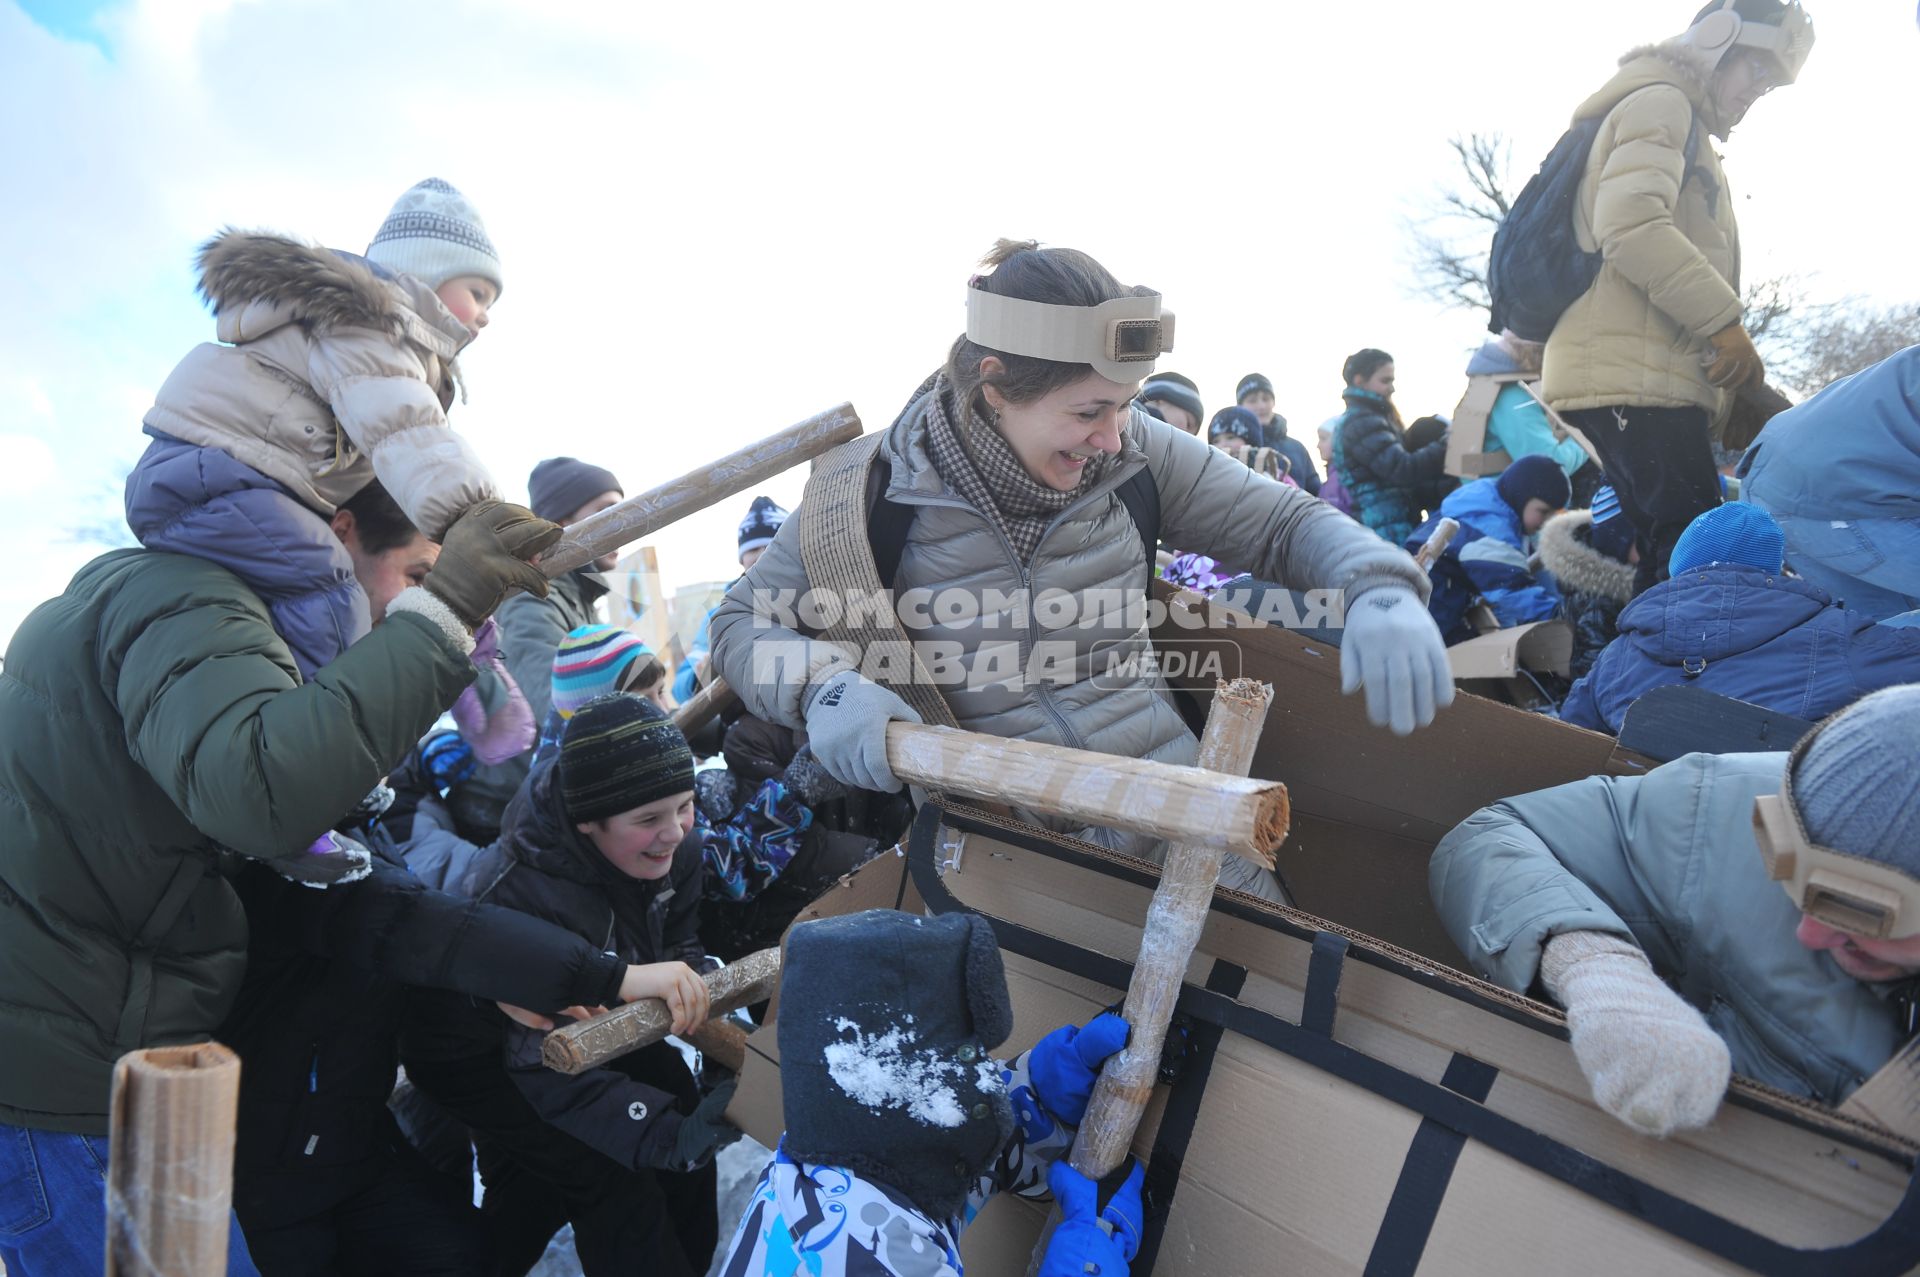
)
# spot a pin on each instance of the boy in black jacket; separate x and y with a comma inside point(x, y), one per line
point(597, 840)
point(323, 1181)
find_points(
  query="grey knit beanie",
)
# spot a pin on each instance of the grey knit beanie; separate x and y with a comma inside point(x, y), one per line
point(1857, 785)
point(435, 235)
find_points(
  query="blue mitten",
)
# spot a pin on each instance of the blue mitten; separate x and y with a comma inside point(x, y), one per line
point(1064, 1064)
point(1093, 1239)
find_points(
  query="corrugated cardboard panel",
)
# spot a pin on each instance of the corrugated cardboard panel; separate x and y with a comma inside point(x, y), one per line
point(1501, 1220)
point(1542, 646)
point(1335, 763)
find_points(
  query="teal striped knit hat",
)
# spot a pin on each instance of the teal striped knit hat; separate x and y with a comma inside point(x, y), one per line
point(591, 662)
point(618, 753)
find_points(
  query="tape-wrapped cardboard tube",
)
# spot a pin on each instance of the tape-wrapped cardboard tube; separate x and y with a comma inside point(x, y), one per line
point(1160, 800)
point(170, 1168)
point(642, 515)
point(589, 1043)
point(1437, 543)
point(1175, 919)
point(709, 702)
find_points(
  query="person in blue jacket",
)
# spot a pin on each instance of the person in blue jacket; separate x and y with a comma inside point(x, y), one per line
point(1489, 556)
point(1728, 620)
point(1841, 475)
point(900, 1124)
point(757, 531)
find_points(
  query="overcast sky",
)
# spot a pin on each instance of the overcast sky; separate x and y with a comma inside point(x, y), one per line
point(718, 219)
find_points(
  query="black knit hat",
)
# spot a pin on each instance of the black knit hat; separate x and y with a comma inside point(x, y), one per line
point(1248, 384)
point(1538, 476)
point(886, 1024)
point(618, 753)
point(561, 485)
point(763, 522)
point(1171, 387)
point(1237, 421)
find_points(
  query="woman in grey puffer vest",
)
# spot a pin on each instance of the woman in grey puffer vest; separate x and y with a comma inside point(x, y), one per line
point(1013, 466)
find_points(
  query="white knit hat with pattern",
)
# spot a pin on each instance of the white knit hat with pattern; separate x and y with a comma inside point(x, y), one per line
point(435, 235)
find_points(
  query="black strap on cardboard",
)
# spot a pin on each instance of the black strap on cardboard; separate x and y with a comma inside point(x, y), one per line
point(1323, 983)
point(1424, 1177)
point(1169, 1153)
point(1887, 1250)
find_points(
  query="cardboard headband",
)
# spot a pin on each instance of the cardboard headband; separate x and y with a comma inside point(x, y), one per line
point(1849, 893)
point(1787, 44)
point(1120, 339)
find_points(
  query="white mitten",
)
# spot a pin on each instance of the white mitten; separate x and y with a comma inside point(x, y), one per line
point(1649, 1056)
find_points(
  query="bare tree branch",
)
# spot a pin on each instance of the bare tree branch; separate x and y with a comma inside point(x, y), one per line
point(1449, 236)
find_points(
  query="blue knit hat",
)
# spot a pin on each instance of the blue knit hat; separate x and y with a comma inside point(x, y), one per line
point(1732, 533)
point(1856, 784)
point(1612, 533)
point(1538, 476)
point(1237, 421)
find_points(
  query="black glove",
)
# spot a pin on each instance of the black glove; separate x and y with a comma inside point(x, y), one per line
point(705, 1131)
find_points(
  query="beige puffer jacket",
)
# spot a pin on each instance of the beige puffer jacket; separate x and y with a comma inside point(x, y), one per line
point(1090, 558)
point(330, 374)
point(1671, 246)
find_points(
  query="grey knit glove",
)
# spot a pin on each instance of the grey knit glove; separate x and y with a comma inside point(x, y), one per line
point(1649, 1056)
point(847, 730)
point(1393, 649)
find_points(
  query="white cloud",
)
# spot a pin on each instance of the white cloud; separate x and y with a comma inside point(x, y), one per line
point(716, 220)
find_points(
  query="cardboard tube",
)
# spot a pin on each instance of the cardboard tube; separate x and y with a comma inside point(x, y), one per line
point(709, 702)
point(1443, 534)
point(645, 514)
point(589, 1043)
point(1161, 800)
point(170, 1168)
point(1174, 922)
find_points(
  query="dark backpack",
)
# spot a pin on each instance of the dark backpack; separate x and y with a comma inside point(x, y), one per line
point(1537, 268)
point(888, 521)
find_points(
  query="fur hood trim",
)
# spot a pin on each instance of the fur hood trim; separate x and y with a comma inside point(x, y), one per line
point(319, 288)
point(325, 289)
point(1566, 552)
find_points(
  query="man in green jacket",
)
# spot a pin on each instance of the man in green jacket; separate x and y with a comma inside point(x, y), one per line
point(152, 726)
point(1614, 892)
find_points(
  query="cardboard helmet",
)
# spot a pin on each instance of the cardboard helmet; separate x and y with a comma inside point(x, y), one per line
point(1121, 339)
point(1784, 45)
point(1854, 894)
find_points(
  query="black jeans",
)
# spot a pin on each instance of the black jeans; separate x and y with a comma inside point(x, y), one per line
point(1660, 462)
point(403, 1224)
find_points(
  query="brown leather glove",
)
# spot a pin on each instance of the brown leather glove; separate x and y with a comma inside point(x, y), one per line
point(485, 557)
point(1735, 361)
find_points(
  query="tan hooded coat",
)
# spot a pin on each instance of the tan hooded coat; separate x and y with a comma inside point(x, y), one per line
point(1670, 276)
point(326, 375)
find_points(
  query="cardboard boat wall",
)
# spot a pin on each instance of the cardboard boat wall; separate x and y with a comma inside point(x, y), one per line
point(1348, 1101)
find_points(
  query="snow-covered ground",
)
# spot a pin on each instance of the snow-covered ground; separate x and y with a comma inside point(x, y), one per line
point(740, 1165)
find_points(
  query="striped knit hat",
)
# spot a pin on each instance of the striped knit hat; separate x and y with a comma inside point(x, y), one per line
point(591, 662)
point(618, 753)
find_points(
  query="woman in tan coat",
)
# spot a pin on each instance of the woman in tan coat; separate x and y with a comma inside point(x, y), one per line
point(1647, 362)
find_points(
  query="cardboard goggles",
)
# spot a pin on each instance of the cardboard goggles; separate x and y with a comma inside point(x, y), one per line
point(1849, 893)
point(1120, 339)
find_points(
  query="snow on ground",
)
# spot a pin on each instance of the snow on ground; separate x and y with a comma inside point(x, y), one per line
point(739, 1165)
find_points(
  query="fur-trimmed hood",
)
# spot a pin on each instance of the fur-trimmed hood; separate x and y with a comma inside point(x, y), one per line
point(1669, 62)
point(1566, 551)
point(257, 281)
